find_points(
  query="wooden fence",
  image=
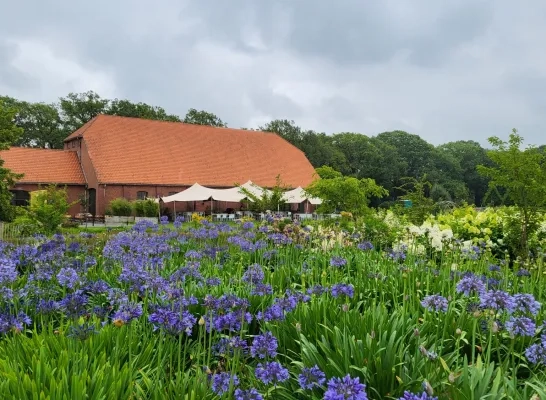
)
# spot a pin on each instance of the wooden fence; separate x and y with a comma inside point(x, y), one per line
point(12, 233)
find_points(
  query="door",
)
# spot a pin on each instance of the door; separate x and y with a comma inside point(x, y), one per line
point(92, 205)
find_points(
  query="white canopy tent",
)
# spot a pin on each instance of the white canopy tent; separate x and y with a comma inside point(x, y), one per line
point(196, 192)
point(298, 195)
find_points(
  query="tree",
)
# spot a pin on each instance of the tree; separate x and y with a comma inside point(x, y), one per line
point(417, 191)
point(79, 108)
point(9, 133)
point(49, 207)
point(522, 174)
point(415, 152)
point(343, 193)
point(203, 118)
point(286, 129)
point(370, 158)
point(269, 200)
point(125, 108)
point(469, 154)
point(41, 124)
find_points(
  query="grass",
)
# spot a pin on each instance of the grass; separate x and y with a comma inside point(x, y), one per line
point(381, 334)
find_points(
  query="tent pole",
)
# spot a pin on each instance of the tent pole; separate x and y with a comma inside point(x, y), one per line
point(174, 217)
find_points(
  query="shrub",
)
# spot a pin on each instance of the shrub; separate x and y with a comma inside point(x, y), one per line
point(121, 207)
point(138, 208)
point(49, 207)
point(151, 208)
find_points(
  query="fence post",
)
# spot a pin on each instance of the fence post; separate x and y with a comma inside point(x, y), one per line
point(1, 230)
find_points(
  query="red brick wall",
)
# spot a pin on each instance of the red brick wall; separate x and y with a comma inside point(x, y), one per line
point(74, 192)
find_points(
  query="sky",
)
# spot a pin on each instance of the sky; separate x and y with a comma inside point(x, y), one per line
point(445, 70)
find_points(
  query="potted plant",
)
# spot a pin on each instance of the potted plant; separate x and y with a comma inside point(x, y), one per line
point(146, 210)
point(122, 212)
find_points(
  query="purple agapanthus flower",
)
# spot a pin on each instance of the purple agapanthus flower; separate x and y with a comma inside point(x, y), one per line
point(254, 274)
point(365, 245)
point(411, 396)
point(68, 277)
point(271, 372)
point(264, 346)
point(470, 284)
point(173, 322)
point(222, 381)
point(497, 300)
point(526, 303)
point(435, 303)
point(250, 394)
point(345, 388)
point(342, 289)
point(338, 262)
point(521, 326)
point(127, 312)
point(311, 377)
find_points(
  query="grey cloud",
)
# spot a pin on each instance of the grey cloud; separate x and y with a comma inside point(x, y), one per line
point(465, 69)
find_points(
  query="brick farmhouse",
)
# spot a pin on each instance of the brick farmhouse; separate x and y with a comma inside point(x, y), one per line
point(111, 157)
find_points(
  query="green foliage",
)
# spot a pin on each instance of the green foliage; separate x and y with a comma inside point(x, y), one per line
point(9, 133)
point(342, 193)
point(145, 208)
point(121, 207)
point(203, 118)
point(269, 200)
point(422, 205)
point(79, 108)
point(522, 174)
point(125, 108)
point(49, 207)
point(40, 123)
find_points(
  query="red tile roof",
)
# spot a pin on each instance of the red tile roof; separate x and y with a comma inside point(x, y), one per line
point(44, 165)
point(140, 151)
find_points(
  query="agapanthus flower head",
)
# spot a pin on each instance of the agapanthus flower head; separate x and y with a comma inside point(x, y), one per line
point(412, 396)
point(254, 274)
point(264, 346)
point(250, 394)
point(536, 353)
point(222, 381)
point(365, 245)
point(346, 388)
point(470, 284)
point(271, 372)
point(435, 302)
point(173, 322)
point(311, 377)
point(126, 313)
point(497, 300)
point(248, 225)
point(342, 289)
point(68, 277)
point(521, 326)
point(262, 289)
point(526, 303)
point(522, 272)
point(193, 254)
point(338, 262)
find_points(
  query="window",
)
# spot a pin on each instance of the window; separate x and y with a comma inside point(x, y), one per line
point(20, 198)
point(141, 195)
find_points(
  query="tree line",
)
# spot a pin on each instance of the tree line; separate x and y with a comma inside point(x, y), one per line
point(389, 158)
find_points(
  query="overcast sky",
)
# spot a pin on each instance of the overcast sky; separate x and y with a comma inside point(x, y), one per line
point(446, 70)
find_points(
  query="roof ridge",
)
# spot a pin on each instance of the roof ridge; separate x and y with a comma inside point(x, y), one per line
point(249, 130)
point(83, 128)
